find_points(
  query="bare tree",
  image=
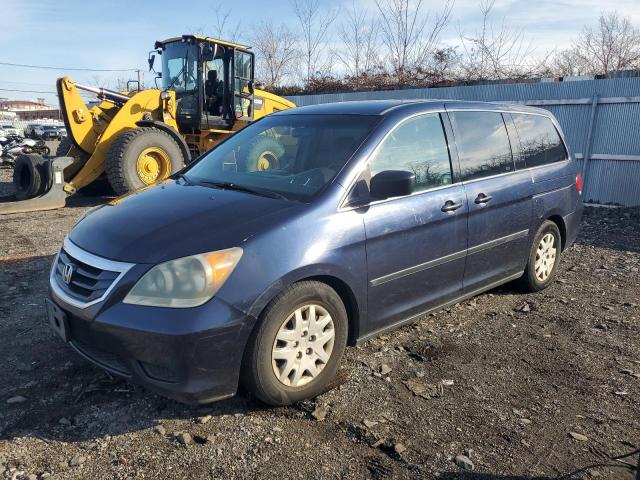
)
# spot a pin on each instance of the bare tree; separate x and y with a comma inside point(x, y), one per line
point(225, 28)
point(276, 51)
point(613, 44)
point(314, 26)
point(569, 63)
point(99, 81)
point(494, 52)
point(409, 35)
point(359, 36)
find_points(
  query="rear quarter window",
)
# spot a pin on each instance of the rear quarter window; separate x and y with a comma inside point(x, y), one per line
point(540, 142)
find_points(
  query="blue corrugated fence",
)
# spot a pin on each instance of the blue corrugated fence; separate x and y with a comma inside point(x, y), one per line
point(613, 166)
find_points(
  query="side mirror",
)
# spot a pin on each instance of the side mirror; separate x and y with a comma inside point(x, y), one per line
point(392, 183)
point(251, 87)
point(152, 59)
point(209, 52)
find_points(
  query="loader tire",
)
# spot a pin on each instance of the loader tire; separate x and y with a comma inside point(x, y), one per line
point(263, 153)
point(142, 157)
point(30, 176)
point(64, 147)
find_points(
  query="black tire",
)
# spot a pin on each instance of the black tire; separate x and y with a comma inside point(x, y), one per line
point(529, 280)
point(270, 148)
point(30, 176)
point(64, 147)
point(123, 155)
point(258, 375)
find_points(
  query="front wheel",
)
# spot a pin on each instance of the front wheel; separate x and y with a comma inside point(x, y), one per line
point(543, 258)
point(141, 157)
point(296, 349)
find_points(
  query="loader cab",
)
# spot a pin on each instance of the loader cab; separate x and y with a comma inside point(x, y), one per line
point(212, 80)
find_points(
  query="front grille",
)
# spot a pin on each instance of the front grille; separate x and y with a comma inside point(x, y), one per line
point(104, 359)
point(87, 282)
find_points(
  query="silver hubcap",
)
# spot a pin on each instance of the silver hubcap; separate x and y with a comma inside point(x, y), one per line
point(545, 256)
point(303, 345)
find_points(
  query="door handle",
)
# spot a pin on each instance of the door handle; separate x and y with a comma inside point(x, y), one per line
point(482, 198)
point(450, 206)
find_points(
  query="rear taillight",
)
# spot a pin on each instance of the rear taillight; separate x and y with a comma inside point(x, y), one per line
point(579, 183)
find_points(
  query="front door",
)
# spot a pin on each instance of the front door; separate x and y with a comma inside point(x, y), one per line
point(499, 198)
point(416, 244)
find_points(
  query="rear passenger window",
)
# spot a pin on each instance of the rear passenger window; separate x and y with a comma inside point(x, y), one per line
point(539, 140)
point(419, 146)
point(483, 144)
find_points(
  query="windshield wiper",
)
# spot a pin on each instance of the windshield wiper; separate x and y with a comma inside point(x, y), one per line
point(242, 188)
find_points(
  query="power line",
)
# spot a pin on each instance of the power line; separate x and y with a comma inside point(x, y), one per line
point(83, 94)
point(23, 91)
point(70, 68)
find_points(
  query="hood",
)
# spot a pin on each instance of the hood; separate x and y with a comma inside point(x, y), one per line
point(174, 220)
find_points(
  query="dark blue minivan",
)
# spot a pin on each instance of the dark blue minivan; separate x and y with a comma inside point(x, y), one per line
point(355, 218)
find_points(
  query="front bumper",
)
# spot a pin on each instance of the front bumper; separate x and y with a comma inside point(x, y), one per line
point(192, 355)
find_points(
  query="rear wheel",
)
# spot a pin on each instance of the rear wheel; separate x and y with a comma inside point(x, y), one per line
point(543, 258)
point(296, 349)
point(141, 157)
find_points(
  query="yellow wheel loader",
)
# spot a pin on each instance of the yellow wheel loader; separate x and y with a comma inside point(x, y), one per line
point(137, 138)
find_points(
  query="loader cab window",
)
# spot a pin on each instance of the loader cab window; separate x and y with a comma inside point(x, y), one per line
point(180, 74)
point(213, 74)
point(243, 76)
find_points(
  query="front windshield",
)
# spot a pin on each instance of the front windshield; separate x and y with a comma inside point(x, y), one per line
point(291, 155)
point(180, 74)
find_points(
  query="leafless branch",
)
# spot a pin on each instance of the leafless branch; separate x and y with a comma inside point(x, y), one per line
point(409, 35)
point(359, 36)
point(314, 27)
point(612, 44)
point(276, 51)
point(496, 50)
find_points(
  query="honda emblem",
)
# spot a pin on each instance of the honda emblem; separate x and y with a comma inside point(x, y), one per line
point(67, 272)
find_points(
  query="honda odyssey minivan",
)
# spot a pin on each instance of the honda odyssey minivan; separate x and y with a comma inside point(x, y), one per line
point(355, 218)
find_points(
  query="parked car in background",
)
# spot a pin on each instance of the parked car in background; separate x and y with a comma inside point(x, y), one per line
point(9, 129)
point(370, 215)
point(46, 132)
point(53, 132)
point(29, 130)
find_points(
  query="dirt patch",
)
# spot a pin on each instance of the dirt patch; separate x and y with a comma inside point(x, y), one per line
point(513, 385)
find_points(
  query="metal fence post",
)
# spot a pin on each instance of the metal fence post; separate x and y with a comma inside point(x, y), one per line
point(587, 147)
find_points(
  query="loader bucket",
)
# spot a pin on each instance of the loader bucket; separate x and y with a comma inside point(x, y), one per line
point(54, 197)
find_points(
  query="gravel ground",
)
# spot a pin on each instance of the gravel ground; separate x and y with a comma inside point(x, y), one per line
point(516, 386)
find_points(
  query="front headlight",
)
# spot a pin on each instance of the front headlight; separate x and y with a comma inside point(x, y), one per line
point(185, 282)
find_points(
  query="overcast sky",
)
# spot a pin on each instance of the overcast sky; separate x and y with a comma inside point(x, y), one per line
point(119, 34)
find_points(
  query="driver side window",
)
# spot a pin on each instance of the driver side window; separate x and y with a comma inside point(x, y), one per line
point(417, 145)
point(242, 77)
